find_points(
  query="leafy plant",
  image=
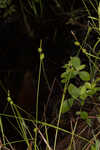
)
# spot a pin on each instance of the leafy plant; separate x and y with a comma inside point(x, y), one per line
point(72, 70)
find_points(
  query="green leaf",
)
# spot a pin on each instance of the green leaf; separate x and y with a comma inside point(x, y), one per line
point(63, 80)
point(81, 67)
point(84, 115)
point(73, 91)
point(84, 75)
point(97, 89)
point(91, 92)
point(67, 104)
point(75, 61)
point(83, 97)
point(64, 75)
point(73, 74)
point(88, 85)
point(82, 90)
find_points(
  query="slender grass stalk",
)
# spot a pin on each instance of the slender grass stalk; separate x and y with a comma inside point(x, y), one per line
point(37, 98)
point(20, 122)
point(41, 7)
point(99, 16)
point(73, 132)
point(47, 138)
point(93, 5)
point(88, 11)
point(21, 125)
point(38, 87)
point(48, 125)
point(45, 76)
point(59, 116)
point(63, 97)
point(1, 128)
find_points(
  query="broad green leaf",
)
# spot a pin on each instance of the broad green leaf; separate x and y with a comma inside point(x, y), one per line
point(73, 74)
point(82, 90)
point(64, 80)
point(84, 115)
point(73, 91)
point(64, 75)
point(87, 85)
point(84, 75)
point(67, 104)
point(75, 61)
point(97, 89)
point(81, 67)
point(91, 92)
point(83, 97)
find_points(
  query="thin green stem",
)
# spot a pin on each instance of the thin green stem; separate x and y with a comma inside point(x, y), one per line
point(63, 97)
point(37, 100)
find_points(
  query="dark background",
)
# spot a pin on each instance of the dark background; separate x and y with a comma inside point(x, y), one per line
point(20, 35)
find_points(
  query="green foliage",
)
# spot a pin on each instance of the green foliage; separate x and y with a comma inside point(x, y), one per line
point(96, 146)
point(74, 69)
point(75, 62)
point(84, 115)
point(73, 91)
point(85, 76)
point(67, 105)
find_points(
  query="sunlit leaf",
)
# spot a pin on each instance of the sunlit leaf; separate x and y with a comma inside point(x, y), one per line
point(81, 67)
point(73, 74)
point(75, 61)
point(87, 85)
point(91, 92)
point(84, 75)
point(73, 91)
